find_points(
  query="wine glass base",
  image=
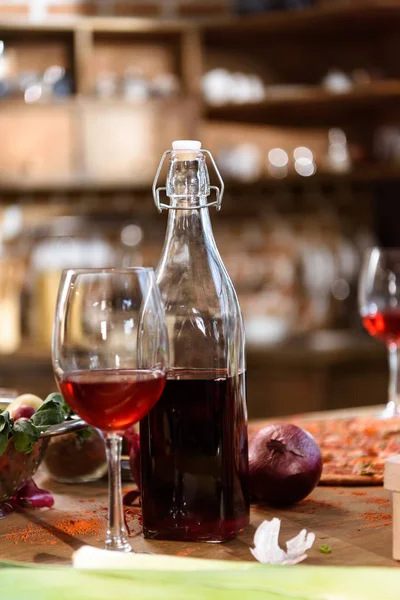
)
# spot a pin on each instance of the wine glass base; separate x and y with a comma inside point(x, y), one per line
point(392, 409)
point(116, 546)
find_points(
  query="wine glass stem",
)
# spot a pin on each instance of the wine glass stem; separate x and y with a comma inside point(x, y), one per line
point(116, 533)
point(393, 407)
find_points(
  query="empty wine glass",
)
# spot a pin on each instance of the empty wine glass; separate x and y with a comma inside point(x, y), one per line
point(110, 360)
point(379, 303)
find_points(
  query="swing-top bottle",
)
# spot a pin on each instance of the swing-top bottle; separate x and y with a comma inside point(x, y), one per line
point(194, 441)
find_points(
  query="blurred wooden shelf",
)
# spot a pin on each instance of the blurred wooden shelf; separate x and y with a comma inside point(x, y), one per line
point(181, 47)
point(72, 186)
point(318, 19)
point(369, 173)
point(22, 24)
point(323, 346)
point(138, 25)
point(314, 372)
point(313, 106)
point(100, 24)
point(320, 348)
point(73, 101)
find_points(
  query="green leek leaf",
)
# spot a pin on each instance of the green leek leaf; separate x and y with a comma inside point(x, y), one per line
point(192, 579)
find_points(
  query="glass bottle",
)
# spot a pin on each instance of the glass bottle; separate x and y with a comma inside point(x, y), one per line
point(194, 441)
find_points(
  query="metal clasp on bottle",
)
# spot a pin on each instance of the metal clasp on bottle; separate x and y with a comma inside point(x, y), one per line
point(219, 193)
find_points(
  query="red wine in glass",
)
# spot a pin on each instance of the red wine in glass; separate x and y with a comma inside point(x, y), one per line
point(195, 463)
point(384, 325)
point(112, 400)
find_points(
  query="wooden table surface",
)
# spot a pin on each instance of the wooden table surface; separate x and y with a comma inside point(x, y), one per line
point(355, 522)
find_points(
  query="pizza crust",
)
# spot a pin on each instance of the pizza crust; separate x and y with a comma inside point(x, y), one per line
point(350, 480)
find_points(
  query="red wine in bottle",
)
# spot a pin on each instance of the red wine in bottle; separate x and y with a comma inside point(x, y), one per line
point(194, 459)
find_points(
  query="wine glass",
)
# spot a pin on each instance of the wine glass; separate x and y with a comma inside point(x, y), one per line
point(110, 360)
point(379, 303)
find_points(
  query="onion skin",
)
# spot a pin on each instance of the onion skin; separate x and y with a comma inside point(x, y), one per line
point(285, 464)
point(33, 497)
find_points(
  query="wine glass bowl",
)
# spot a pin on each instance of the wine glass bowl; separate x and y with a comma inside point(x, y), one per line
point(379, 304)
point(110, 359)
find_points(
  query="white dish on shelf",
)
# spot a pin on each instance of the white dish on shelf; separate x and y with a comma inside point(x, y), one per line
point(266, 330)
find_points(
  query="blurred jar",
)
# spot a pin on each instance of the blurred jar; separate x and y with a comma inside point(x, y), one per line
point(7, 69)
point(71, 243)
point(165, 85)
point(76, 457)
point(242, 162)
point(129, 254)
point(106, 85)
point(56, 82)
point(11, 279)
point(135, 86)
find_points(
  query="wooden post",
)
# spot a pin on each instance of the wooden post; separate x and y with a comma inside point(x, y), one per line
point(83, 59)
point(392, 484)
point(192, 70)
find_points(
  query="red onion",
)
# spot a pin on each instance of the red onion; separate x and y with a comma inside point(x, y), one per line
point(31, 496)
point(23, 412)
point(28, 496)
point(285, 464)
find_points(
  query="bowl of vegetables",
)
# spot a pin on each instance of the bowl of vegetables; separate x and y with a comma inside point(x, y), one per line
point(26, 426)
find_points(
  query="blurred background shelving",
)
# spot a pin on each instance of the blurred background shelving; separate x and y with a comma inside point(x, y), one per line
point(301, 110)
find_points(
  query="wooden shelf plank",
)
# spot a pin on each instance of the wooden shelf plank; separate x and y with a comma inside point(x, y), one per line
point(368, 173)
point(71, 186)
point(74, 101)
point(56, 24)
point(318, 18)
point(312, 19)
point(310, 99)
point(139, 25)
point(97, 24)
point(312, 106)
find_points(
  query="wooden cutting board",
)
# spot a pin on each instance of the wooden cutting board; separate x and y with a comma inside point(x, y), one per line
point(355, 522)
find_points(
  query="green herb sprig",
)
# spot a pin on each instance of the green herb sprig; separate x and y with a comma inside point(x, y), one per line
point(25, 432)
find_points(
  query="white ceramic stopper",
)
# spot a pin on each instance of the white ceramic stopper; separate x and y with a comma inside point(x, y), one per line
point(189, 145)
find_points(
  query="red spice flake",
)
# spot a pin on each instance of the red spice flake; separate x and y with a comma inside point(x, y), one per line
point(310, 506)
point(379, 501)
point(373, 516)
point(358, 493)
point(79, 526)
point(35, 534)
point(188, 551)
point(376, 525)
